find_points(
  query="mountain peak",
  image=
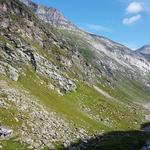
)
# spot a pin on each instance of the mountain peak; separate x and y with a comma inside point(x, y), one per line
point(144, 50)
point(50, 15)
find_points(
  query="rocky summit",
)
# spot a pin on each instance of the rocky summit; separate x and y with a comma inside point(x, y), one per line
point(50, 15)
point(145, 49)
point(64, 88)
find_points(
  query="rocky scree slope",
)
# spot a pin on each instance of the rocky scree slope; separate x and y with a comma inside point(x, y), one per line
point(58, 85)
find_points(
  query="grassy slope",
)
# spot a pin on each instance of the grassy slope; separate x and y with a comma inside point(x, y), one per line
point(70, 105)
point(124, 118)
point(127, 90)
point(66, 105)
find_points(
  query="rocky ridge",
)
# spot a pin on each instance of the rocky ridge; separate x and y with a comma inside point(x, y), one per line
point(50, 15)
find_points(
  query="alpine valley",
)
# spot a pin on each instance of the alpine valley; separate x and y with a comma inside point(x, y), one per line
point(64, 88)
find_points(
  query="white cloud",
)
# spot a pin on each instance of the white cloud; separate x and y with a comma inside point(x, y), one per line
point(134, 7)
point(131, 20)
point(135, 10)
point(95, 27)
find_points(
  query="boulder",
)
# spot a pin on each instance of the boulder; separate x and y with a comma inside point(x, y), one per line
point(2, 104)
point(5, 132)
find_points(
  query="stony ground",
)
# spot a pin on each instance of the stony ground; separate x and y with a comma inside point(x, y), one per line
point(39, 126)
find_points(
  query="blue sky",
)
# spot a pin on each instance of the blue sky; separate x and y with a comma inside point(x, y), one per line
point(124, 21)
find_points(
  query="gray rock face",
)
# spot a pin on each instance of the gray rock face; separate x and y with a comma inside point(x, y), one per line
point(49, 15)
point(17, 51)
point(8, 70)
